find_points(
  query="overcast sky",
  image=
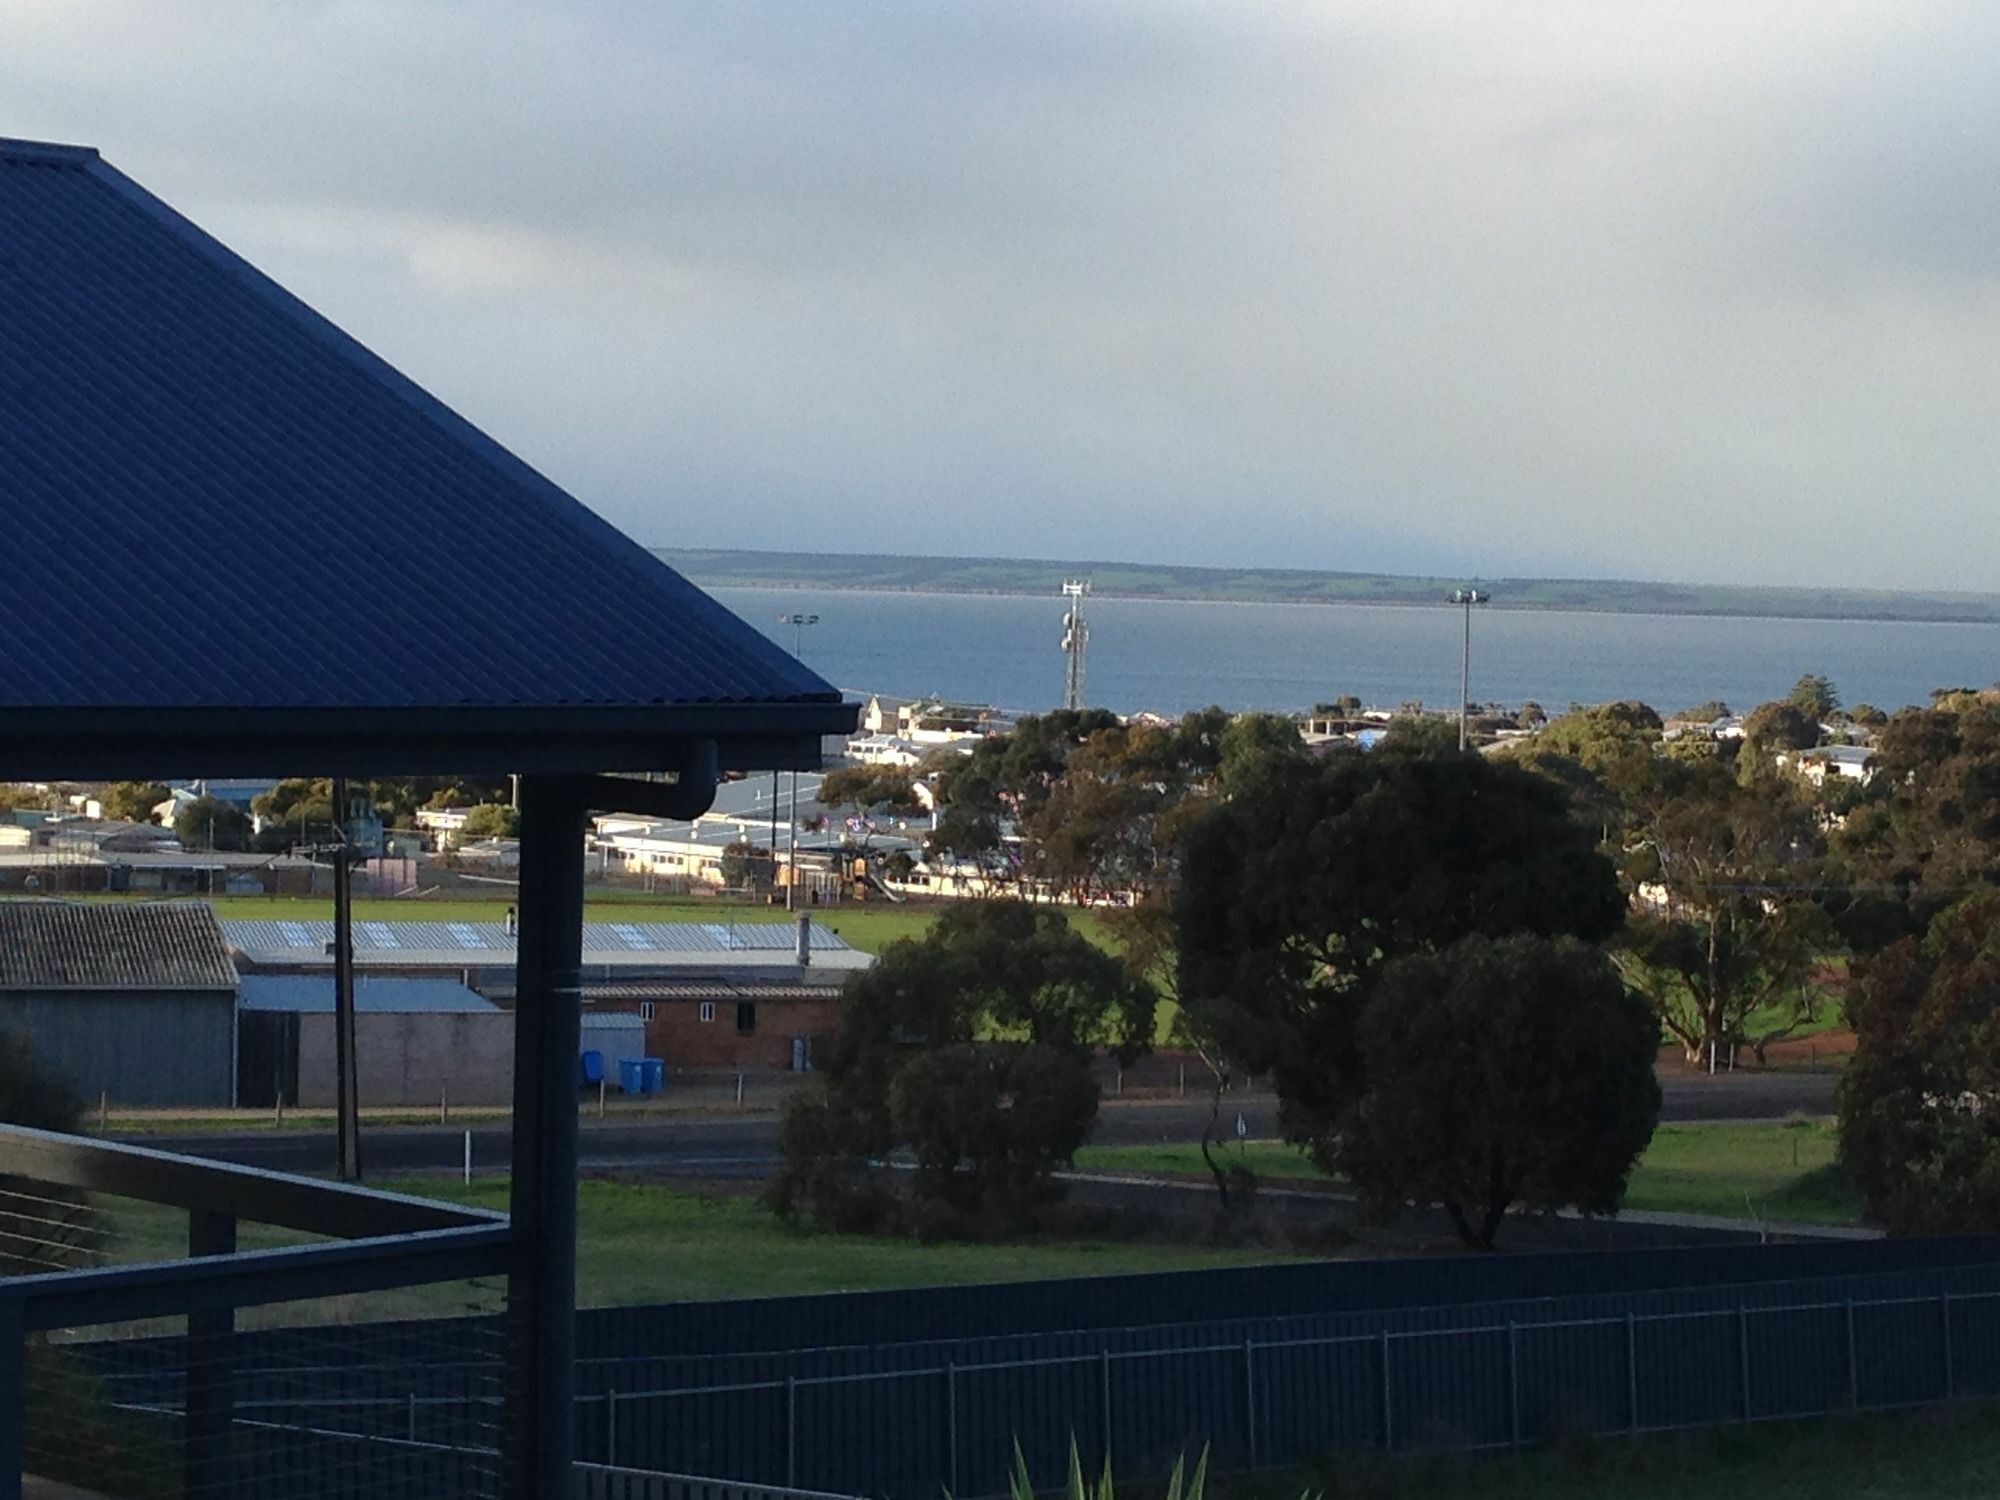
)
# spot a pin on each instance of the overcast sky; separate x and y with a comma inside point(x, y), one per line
point(1704, 291)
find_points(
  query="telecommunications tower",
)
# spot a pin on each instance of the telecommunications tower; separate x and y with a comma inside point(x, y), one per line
point(1076, 635)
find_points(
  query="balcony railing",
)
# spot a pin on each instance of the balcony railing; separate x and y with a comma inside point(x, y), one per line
point(118, 1378)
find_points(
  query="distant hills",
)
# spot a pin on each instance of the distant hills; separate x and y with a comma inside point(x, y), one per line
point(879, 572)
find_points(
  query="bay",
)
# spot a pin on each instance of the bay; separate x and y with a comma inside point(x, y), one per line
point(1171, 655)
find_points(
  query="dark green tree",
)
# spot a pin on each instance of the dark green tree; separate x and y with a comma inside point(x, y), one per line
point(1815, 696)
point(1420, 734)
point(132, 801)
point(1918, 1131)
point(867, 788)
point(208, 823)
point(491, 820)
point(745, 866)
point(1729, 930)
point(989, 1123)
point(1773, 727)
point(1498, 1073)
point(1000, 977)
point(1925, 830)
point(1704, 713)
point(13, 796)
point(1294, 896)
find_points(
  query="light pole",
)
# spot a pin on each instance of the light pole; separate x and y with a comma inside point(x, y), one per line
point(1466, 598)
point(798, 623)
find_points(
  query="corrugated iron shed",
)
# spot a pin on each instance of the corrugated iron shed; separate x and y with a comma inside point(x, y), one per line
point(172, 404)
point(478, 943)
point(312, 994)
point(77, 945)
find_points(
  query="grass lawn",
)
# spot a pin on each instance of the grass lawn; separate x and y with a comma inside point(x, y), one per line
point(1951, 1455)
point(638, 1243)
point(1782, 1171)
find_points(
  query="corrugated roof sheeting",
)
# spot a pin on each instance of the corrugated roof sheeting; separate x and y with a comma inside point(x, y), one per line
point(312, 994)
point(79, 945)
point(169, 402)
point(491, 942)
point(715, 989)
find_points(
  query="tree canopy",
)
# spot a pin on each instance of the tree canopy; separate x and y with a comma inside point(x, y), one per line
point(970, 1046)
point(1814, 695)
point(1297, 892)
point(1920, 1100)
point(1730, 926)
point(1498, 1072)
point(132, 801)
point(209, 823)
point(491, 820)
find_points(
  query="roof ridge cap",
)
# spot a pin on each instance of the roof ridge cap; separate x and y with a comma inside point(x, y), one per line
point(15, 148)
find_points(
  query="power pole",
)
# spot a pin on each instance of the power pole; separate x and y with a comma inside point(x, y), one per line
point(1466, 598)
point(1076, 636)
point(347, 1151)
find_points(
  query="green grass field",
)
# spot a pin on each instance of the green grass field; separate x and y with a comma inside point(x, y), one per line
point(1781, 1172)
point(638, 1243)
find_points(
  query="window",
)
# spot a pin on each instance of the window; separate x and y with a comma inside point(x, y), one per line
point(708, 1010)
point(746, 1015)
point(646, 1011)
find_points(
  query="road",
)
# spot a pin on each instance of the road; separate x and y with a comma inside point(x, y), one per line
point(744, 1146)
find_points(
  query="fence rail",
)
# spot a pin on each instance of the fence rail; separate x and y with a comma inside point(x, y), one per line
point(1472, 1383)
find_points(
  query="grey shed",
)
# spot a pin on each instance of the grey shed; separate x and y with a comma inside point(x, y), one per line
point(132, 1001)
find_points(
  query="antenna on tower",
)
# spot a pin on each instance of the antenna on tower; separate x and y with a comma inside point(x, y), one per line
point(1076, 635)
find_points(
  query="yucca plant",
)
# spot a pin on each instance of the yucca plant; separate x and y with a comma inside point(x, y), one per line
point(1180, 1486)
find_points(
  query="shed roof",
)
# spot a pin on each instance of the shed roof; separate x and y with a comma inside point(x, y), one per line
point(183, 412)
point(489, 947)
point(82, 945)
point(312, 994)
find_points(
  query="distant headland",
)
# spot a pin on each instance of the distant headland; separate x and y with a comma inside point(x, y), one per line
point(886, 573)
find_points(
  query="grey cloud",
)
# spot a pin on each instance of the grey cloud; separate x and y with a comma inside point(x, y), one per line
point(1687, 290)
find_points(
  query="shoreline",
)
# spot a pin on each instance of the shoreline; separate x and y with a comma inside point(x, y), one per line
point(1650, 610)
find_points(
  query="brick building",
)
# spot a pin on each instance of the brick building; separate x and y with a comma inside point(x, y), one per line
point(727, 994)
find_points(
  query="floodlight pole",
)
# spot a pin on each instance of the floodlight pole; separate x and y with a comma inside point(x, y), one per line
point(1466, 598)
point(798, 623)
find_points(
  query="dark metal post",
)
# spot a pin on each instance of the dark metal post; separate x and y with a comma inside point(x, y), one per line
point(1743, 1356)
point(209, 1405)
point(1104, 1395)
point(951, 1426)
point(1631, 1373)
point(1465, 677)
point(1466, 598)
point(1388, 1414)
point(541, 1288)
point(1853, 1362)
point(1513, 1386)
point(347, 1159)
point(13, 1397)
point(791, 1432)
point(1250, 1397)
point(1944, 1327)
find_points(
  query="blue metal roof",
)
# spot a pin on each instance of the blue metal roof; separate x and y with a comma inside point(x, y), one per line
point(175, 428)
point(312, 994)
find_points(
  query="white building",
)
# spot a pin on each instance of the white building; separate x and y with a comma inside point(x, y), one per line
point(1848, 762)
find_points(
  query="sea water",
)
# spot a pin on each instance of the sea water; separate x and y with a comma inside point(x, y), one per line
point(1173, 655)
